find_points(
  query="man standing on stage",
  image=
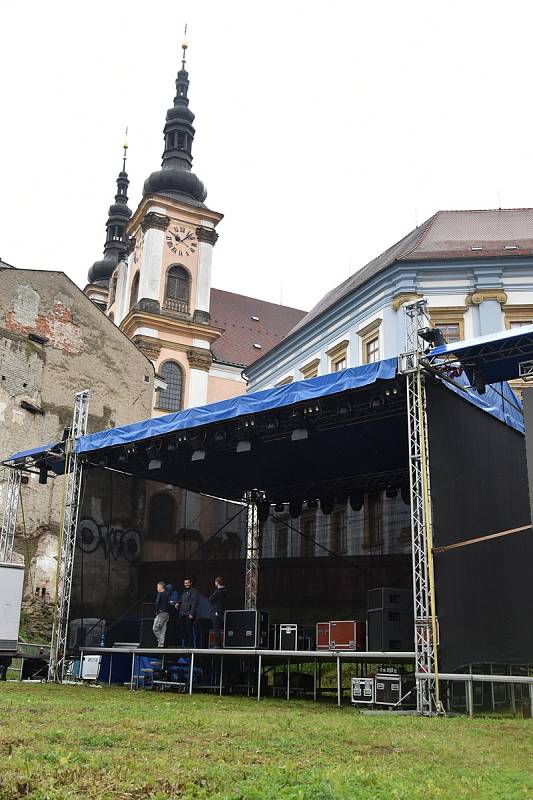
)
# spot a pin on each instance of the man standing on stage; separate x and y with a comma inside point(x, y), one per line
point(161, 614)
point(219, 602)
point(187, 612)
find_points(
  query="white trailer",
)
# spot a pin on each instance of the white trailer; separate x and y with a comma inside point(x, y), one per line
point(11, 585)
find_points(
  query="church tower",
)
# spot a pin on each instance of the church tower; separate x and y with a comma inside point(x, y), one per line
point(160, 296)
point(116, 241)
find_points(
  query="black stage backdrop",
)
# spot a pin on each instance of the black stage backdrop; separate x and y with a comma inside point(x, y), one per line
point(479, 487)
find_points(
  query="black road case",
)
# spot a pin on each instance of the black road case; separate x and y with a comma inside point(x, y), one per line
point(363, 691)
point(246, 628)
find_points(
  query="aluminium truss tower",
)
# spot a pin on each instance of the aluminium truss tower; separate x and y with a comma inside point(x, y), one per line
point(428, 701)
point(11, 494)
point(67, 538)
point(253, 544)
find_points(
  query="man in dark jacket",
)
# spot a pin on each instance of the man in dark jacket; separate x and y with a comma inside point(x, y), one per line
point(187, 612)
point(161, 614)
point(219, 602)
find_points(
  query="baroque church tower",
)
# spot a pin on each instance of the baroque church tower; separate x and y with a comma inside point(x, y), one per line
point(160, 295)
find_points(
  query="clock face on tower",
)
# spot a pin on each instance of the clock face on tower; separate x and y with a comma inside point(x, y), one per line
point(181, 240)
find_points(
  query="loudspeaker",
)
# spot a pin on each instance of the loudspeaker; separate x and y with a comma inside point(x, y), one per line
point(246, 629)
point(389, 598)
point(390, 630)
point(146, 636)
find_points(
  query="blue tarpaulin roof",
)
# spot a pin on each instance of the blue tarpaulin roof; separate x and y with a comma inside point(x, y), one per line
point(497, 355)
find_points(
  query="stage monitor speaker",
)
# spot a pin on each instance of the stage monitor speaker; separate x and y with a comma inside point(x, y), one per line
point(246, 629)
point(390, 630)
point(146, 636)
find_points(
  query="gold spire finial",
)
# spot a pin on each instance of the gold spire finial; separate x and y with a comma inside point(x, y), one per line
point(184, 47)
point(125, 146)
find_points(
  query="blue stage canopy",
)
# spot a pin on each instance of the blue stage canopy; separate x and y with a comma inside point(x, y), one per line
point(497, 355)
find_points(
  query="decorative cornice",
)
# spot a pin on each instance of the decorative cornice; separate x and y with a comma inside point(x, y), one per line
point(480, 295)
point(164, 323)
point(208, 235)
point(153, 220)
point(150, 347)
point(199, 358)
point(337, 349)
point(372, 327)
point(404, 297)
point(310, 366)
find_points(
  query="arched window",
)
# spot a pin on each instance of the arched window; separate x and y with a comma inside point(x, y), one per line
point(177, 290)
point(170, 399)
point(134, 294)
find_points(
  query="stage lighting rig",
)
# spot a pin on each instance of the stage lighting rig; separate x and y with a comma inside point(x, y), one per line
point(295, 508)
point(391, 491)
point(357, 500)
point(433, 336)
point(279, 508)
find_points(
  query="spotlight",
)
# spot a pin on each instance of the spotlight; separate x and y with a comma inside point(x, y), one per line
point(102, 461)
point(391, 392)
point(220, 436)
point(295, 508)
point(377, 403)
point(312, 504)
point(155, 463)
point(479, 382)
point(43, 474)
point(344, 409)
point(391, 491)
point(263, 510)
point(299, 434)
point(326, 505)
point(248, 423)
point(182, 437)
point(172, 446)
point(279, 508)
point(433, 336)
point(198, 455)
point(121, 457)
point(357, 500)
point(243, 446)
point(272, 424)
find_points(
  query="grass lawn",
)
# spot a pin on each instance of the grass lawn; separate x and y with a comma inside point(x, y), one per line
point(81, 742)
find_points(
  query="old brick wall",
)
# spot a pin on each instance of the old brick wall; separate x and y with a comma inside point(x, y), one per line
point(82, 349)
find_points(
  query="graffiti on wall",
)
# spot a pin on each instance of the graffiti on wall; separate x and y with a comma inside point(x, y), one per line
point(114, 540)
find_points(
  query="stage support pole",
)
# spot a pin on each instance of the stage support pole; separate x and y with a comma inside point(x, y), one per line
point(288, 678)
point(253, 546)
point(110, 669)
point(67, 538)
point(259, 667)
point(11, 495)
point(470, 697)
point(191, 671)
point(339, 682)
point(425, 632)
point(221, 672)
point(314, 679)
point(132, 671)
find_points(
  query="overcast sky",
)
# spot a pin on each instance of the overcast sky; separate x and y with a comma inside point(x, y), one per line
point(325, 130)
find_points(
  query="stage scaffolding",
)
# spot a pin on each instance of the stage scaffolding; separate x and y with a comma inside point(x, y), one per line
point(10, 499)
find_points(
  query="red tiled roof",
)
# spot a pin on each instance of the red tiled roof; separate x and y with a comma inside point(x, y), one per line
point(445, 235)
point(235, 313)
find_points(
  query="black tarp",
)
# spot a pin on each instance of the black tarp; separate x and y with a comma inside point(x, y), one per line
point(479, 487)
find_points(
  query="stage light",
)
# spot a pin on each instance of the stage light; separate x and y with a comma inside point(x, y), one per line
point(155, 463)
point(295, 508)
point(312, 504)
point(299, 434)
point(220, 436)
point(279, 508)
point(344, 409)
point(357, 500)
point(433, 336)
point(263, 510)
point(326, 505)
point(248, 423)
point(391, 491)
point(102, 461)
point(377, 403)
point(43, 474)
point(172, 446)
point(243, 446)
point(479, 382)
point(272, 424)
point(198, 455)
point(391, 392)
point(182, 437)
point(121, 456)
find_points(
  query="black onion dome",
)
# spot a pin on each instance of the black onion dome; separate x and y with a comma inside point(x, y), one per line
point(175, 178)
point(101, 271)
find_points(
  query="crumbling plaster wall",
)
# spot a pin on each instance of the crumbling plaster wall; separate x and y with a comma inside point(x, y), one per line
point(82, 349)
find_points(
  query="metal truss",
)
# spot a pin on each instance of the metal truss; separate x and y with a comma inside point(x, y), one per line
point(253, 545)
point(67, 540)
point(428, 701)
point(10, 497)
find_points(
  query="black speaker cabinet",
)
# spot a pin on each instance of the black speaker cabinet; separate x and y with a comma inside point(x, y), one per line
point(390, 630)
point(400, 599)
point(246, 629)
